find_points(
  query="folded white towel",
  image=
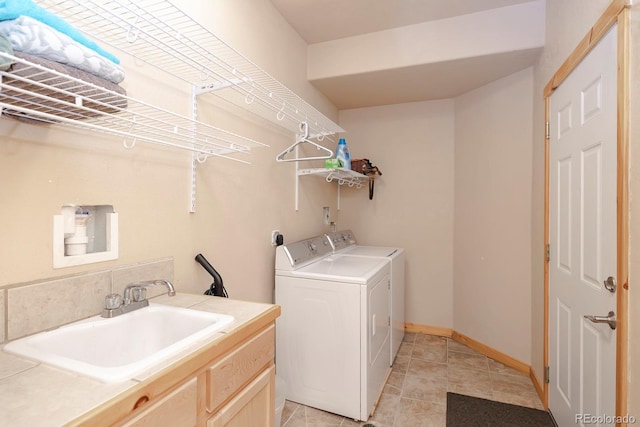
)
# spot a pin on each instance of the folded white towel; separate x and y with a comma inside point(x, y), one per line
point(35, 38)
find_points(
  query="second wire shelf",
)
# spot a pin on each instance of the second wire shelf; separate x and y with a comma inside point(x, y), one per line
point(340, 175)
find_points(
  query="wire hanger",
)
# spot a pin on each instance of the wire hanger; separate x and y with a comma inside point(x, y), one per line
point(304, 138)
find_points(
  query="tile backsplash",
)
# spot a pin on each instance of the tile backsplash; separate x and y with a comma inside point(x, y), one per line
point(50, 303)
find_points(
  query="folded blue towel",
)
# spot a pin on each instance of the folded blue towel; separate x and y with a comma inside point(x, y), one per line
point(12, 9)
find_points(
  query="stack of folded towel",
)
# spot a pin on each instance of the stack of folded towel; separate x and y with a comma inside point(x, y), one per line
point(31, 33)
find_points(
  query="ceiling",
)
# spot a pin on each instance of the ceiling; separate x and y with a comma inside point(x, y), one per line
point(318, 21)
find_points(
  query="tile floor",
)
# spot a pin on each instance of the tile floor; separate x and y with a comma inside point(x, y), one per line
point(415, 395)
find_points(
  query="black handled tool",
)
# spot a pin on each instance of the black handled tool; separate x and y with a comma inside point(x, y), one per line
point(217, 288)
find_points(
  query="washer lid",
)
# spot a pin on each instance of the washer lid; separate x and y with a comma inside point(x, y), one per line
point(343, 268)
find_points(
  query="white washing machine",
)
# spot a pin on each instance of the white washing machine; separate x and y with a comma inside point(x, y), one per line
point(344, 243)
point(332, 337)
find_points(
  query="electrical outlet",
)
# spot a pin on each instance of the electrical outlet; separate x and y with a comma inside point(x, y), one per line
point(274, 237)
point(325, 215)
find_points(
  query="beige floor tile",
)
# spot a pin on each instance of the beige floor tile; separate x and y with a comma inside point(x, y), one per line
point(386, 410)
point(425, 388)
point(435, 351)
point(288, 410)
point(500, 368)
point(316, 417)
point(298, 418)
point(351, 423)
point(513, 384)
point(467, 360)
point(430, 339)
point(400, 365)
point(454, 345)
point(423, 368)
point(405, 349)
point(471, 382)
point(394, 384)
point(409, 337)
point(419, 413)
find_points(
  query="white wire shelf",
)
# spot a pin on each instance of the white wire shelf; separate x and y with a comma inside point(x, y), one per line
point(44, 95)
point(157, 32)
point(342, 176)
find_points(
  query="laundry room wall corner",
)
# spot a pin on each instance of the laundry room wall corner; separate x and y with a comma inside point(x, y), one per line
point(412, 206)
point(492, 221)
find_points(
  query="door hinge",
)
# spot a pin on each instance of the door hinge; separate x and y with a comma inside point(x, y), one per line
point(547, 375)
point(388, 283)
point(547, 131)
point(389, 319)
point(548, 252)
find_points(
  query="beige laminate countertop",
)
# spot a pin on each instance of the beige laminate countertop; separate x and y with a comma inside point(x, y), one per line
point(33, 394)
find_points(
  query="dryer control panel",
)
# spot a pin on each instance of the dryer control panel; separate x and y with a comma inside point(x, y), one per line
point(341, 239)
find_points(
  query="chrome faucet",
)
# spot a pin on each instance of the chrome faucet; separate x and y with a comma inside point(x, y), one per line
point(138, 290)
point(135, 297)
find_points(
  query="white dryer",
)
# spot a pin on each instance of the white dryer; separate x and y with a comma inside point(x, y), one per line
point(332, 337)
point(344, 243)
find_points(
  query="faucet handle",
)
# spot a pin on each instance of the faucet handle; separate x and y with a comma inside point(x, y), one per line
point(139, 293)
point(112, 301)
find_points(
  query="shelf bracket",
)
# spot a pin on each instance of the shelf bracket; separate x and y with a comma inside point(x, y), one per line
point(297, 183)
point(341, 176)
point(215, 86)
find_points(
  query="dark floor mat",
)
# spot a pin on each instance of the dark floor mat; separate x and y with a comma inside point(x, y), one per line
point(468, 411)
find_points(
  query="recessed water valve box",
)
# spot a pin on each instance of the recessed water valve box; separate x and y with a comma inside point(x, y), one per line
point(84, 234)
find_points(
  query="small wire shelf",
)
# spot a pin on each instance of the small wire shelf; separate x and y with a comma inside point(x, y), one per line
point(342, 176)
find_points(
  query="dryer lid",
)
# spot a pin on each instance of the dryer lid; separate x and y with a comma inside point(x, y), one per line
point(344, 269)
point(381, 251)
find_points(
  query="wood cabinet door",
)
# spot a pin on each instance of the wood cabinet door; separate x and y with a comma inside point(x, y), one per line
point(253, 406)
point(177, 409)
point(229, 373)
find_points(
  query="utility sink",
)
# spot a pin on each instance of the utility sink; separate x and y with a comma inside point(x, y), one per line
point(119, 348)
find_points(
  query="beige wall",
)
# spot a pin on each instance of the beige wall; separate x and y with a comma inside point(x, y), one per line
point(42, 168)
point(468, 267)
point(412, 207)
point(492, 270)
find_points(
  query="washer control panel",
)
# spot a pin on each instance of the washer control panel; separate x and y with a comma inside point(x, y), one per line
point(302, 252)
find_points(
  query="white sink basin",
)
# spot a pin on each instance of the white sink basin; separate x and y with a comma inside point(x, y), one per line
point(117, 349)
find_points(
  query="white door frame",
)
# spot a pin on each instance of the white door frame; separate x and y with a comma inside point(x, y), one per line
point(617, 12)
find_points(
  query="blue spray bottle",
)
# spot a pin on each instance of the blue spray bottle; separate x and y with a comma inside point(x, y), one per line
point(342, 154)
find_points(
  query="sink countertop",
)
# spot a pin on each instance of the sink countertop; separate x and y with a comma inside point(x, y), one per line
point(36, 394)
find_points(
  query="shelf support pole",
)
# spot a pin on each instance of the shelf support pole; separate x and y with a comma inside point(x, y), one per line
point(194, 155)
point(297, 183)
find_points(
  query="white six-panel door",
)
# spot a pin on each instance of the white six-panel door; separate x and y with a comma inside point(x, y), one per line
point(582, 237)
